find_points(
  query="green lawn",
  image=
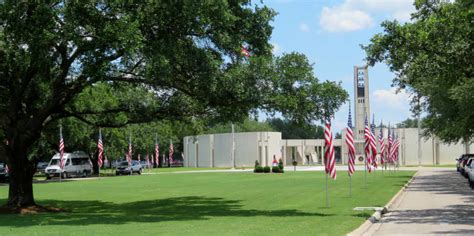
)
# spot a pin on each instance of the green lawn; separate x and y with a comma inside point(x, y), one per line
point(204, 204)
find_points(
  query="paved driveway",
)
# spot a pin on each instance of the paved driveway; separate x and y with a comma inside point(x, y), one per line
point(437, 202)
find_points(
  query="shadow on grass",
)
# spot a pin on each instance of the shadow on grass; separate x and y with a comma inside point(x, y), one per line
point(160, 210)
point(364, 215)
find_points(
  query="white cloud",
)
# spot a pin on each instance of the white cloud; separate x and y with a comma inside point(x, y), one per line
point(390, 99)
point(354, 15)
point(304, 27)
point(343, 19)
point(276, 48)
point(397, 9)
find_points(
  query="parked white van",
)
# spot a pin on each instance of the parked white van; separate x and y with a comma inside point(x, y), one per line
point(76, 164)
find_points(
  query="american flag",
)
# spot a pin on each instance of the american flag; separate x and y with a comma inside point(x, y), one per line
point(394, 151)
point(396, 145)
point(171, 152)
point(368, 147)
point(245, 52)
point(129, 154)
point(374, 147)
point(350, 145)
point(389, 144)
point(330, 160)
point(101, 149)
point(382, 145)
point(61, 148)
point(157, 153)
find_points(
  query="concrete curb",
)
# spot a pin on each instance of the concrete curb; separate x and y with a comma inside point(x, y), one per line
point(378, 214)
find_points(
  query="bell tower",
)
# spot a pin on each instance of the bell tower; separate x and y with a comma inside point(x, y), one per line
point(361, 101)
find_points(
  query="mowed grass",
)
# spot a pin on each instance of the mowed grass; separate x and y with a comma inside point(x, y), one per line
point(205, 204)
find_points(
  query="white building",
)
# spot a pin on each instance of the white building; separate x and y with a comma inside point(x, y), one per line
point(214, 150)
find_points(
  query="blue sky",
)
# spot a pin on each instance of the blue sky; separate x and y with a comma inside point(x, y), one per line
point(329, 34)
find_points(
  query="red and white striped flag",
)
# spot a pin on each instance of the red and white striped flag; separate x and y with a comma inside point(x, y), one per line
point(157, 154)
point(147, 160)
point(330, 160)
point(100, 147)
point(389, 144)
point(129, 154)
point(245, 52)
point(350, 146)
point(61, 148)
point(171, 152)
point(374, 145)
point(368, 147)
point(382, 145)
point(396, 144)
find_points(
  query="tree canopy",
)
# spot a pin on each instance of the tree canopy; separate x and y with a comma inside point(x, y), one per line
point(433, 57)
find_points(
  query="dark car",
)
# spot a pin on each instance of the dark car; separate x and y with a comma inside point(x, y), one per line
point(40, 168)
point(4, 177)
point(123, 168)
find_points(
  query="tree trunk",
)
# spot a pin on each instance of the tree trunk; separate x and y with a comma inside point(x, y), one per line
point(21, 182)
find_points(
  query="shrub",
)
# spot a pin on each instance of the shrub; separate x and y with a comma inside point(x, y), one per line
point(258, 169)
point(276, 169)
point(256, 163)
point(280, 165)
point(266, 169)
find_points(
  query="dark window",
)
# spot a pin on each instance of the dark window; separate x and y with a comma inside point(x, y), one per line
point(80, 161)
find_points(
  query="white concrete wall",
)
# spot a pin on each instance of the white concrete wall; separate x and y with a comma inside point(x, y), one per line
point(215, 150)
point(222, 150)
point(449, 152)
point(204, 151)
point(246, 149)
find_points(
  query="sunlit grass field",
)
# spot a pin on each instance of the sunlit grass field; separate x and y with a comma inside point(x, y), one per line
point(292, 203)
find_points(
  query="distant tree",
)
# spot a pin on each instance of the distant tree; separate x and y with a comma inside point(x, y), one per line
point(294, 130)
point(248, 125)
point(408, 123)
point(433, 59)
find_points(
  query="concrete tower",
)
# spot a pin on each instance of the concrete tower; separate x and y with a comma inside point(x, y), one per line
point(361, 102)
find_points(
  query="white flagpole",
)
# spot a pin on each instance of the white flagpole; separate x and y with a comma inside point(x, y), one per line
point(232, 157)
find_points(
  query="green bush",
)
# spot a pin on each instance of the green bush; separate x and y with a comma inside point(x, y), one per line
point(280, 164)
point(276, 169)
point(258, 169)
point(256, 164)
point(266, 169)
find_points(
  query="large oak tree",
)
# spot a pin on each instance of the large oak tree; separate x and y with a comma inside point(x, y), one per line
point(433, 57)
point(109, 64)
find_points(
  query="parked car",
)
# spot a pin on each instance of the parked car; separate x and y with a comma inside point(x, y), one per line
point(41, 167)
point(125, 169)
point(462, 161)
point(76, 164)
point(4, 177)
point(470, 173)
point(467, 166)
point(144, 164)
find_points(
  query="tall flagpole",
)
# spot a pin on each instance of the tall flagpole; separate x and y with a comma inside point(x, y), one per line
point(98, 156)
point(232, 154)
point(60, 155)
